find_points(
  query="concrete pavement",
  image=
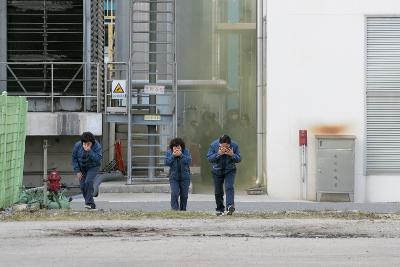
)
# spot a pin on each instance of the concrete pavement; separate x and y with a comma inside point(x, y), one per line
point(201, 242)
point(244, 203)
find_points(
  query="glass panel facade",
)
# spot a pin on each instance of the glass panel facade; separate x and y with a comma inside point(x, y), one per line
point(216, 53)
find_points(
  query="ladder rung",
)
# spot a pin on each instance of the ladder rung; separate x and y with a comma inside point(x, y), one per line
point(155, 73)
point(154, 1)
point(151, 42)
point(153, 63)
point(152, 11)
point(147, 52)
point(145, 135)
point(152, 73)
point(152, 32)
point(153, 22)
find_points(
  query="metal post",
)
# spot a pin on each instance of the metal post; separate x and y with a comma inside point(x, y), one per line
point(175, 72)
point(87, 51)
point(3, 45)
point(111, 140)
point(52, 87)
point(129, 100)
point(98, 86)
point(213, 39)
point(152, 130)
point(45, 146)
point(105, 86)
point(303, 171)
point(85, 87)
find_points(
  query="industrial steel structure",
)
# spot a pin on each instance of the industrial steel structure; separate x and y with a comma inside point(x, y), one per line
point(184, 62)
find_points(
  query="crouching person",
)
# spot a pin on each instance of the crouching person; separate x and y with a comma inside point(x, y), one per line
point(178, 158)
point(86, 160)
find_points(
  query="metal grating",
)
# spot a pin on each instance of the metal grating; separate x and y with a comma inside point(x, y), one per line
point(383, 95)
point(152, 48)
point(97, 47)
point(44, 31)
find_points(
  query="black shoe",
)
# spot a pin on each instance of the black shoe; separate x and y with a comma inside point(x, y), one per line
point(230, 210)
point(219, 213)
point(90, 206)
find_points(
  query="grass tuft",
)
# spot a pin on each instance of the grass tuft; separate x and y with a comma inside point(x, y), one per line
point(70, 215)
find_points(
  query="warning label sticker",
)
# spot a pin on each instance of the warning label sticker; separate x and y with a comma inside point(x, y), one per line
point(118, 89)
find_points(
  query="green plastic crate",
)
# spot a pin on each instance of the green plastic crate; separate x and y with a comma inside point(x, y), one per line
point(13, 112)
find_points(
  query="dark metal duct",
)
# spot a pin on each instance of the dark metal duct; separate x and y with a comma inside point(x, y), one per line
point(55, 31)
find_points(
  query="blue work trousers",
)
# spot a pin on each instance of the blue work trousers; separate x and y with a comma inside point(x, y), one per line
point(86, 183)
point(227, 178)
point(179, 193)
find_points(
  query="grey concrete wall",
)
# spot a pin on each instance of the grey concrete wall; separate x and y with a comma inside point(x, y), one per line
point(59, 156)
point(63, 123)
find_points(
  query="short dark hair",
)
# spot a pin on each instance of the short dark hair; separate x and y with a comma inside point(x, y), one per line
point(177, 142)
point(225, 139)
point(88, 137)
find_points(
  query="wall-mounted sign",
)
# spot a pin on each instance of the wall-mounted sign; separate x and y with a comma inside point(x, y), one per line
point(118, 89)
point(152, 117)
point(154, 89)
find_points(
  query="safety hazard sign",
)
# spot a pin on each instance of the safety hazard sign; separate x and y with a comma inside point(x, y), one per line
point(118, 90)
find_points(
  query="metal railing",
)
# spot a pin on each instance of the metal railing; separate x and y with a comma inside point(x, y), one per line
point(22, 78)
point(114, 71)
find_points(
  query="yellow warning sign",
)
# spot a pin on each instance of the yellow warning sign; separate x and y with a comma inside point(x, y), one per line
point(118, 89)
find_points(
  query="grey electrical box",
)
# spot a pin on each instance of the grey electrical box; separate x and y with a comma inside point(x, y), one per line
point(335, 167)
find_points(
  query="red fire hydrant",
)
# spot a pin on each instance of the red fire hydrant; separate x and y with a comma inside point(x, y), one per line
point(54, 179)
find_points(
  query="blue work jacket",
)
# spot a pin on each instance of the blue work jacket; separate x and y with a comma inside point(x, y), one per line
point(82, 160)
point(178, 166)
point(223, 163)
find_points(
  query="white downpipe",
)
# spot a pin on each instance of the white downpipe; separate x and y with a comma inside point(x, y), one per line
point(261, 155)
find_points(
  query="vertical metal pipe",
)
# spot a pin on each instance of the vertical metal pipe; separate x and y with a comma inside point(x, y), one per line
point(217, 42)
point(52, 87)
point(98, 95)
point(175, 72)
point(3, 45)
point(152, 130)
point(304, 161)
point(264, 94)
point(45, 146)
point(111, 140)
point(87, 50)
point(261, 175)
point(213, 39)
point(84, 86)
point(129, 96)
point(105, 86)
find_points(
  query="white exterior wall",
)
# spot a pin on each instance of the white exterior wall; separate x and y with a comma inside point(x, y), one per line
point(316, 81)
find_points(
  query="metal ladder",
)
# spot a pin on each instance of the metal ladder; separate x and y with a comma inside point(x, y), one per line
point(152, 117)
